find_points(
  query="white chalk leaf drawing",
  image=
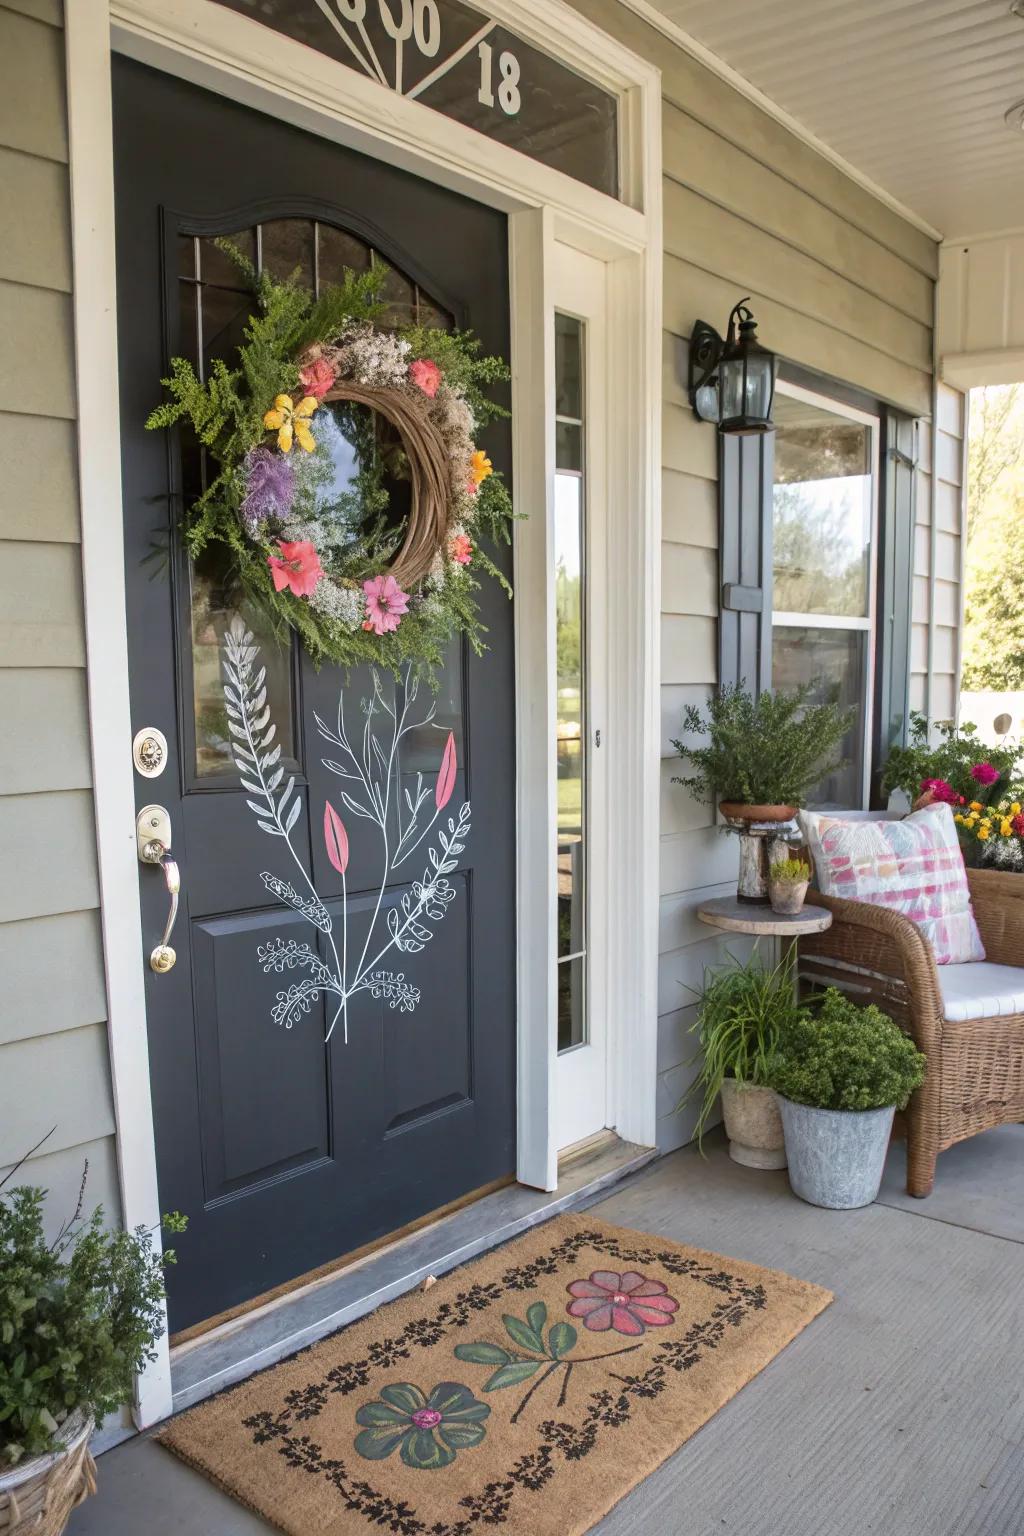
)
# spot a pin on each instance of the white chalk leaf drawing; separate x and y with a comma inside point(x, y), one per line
point(371, 768)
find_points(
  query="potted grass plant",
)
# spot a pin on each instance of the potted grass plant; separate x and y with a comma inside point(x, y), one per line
point(742, 1011)
point(788, 880)
point(79, 1316)
point(840, 1072)
point(759, 756)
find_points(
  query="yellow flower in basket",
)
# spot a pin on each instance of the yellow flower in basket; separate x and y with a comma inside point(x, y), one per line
point(288, 420)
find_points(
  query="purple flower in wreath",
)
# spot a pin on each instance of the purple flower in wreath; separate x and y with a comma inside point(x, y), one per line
point(628, 1303)
point(427, 1430)
point(269, 487)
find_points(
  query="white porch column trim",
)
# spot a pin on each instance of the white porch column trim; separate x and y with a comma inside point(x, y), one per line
point(90, 132)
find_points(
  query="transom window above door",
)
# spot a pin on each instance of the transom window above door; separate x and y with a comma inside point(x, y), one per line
point(824, 534)
point(214, 304)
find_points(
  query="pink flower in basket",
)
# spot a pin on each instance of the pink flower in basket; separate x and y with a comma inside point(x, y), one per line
point(984, 773)
point(940, 789)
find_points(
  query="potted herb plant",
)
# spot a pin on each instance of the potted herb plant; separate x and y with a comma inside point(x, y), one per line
point(79, 1316)
point(742, 1012)
point(840, 1074)
point(788, 880)
point(761, 755)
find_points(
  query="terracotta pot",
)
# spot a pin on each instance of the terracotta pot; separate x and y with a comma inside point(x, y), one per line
point(753, 1125)
point(787, 896)
point(734, 810)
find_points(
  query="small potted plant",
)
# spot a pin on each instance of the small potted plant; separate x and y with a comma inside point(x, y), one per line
point(742, 1012)
point(840, 1073)
point(788, 880)
point(78, 1318)
point(762, 755)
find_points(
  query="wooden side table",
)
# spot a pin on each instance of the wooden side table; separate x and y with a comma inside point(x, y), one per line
point(734, 916)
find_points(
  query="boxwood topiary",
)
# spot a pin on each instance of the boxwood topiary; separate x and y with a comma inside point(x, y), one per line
point(842, 1056)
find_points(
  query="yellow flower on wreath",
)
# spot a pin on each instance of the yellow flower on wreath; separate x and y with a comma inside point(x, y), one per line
point(288, 420)
point(481, 467)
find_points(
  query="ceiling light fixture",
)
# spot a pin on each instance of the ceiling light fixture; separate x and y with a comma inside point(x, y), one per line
point(1014, 116)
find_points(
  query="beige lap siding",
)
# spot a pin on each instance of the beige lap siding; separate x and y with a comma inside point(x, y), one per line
point(54, 1071)
point(935, 650)
point(839, 283)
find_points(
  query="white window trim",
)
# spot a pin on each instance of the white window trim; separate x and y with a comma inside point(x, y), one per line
point(857, 622)
point(229, 53)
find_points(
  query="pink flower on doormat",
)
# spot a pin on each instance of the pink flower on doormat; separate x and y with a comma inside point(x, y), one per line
point(425, 375)
point(628, 1303)
point(385, 604)
point(298, 567)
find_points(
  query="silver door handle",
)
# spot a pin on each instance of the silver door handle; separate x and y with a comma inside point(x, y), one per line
point(153, 835)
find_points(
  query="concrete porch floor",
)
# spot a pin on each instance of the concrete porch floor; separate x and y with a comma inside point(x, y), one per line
point(900, 1410)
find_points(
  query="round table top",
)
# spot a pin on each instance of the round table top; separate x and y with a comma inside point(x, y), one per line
point(751, 917)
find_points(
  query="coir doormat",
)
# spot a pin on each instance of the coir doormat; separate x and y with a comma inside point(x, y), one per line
point(528, 1391)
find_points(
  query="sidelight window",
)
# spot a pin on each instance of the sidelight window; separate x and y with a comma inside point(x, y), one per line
point(571, 679)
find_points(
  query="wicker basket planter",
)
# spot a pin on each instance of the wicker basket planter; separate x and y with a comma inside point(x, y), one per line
point(38, 1495)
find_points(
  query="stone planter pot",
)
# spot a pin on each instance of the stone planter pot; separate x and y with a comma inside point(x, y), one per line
point(38, 1495)
point(753, 1125)
point(835, 1156)
point(787, 896)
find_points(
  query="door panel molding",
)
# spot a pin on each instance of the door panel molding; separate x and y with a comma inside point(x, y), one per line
point(236, 57)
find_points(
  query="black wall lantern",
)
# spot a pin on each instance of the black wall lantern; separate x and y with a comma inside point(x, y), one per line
point(732, 381)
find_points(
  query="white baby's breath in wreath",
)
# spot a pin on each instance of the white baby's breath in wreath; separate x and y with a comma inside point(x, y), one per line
point(300, 498)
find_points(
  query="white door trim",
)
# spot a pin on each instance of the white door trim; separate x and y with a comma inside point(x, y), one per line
point(229, 53)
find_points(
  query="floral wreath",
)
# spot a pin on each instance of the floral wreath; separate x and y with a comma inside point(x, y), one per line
point(301, 496)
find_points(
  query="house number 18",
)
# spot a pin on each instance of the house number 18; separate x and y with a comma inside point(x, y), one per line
point(419, 22)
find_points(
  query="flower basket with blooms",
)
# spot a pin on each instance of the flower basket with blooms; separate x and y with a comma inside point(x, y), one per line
point(766, 752)
point(980, 782)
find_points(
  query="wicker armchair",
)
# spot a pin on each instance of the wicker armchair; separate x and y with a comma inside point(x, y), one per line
point(975, 1077)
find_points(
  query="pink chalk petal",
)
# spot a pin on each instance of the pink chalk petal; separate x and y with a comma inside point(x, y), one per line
point(650, 1313)
point(623, 1321)
point(588, 1288)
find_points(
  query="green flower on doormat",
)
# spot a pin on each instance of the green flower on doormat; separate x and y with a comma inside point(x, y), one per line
point(555, 1354)
point(428, 1430)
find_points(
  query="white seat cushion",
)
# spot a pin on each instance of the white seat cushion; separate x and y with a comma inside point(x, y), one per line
point(980, 989)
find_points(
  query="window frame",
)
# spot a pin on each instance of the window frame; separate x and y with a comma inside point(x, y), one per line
point(788, 619)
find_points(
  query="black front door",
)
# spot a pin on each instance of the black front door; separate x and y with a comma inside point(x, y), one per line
point(284, 1151)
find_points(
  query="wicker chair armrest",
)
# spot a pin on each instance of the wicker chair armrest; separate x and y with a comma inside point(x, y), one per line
point(998, 902)
point(887, 944)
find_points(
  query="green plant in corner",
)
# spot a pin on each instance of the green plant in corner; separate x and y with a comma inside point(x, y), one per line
point(743, 1009)
point(79, 1316)
point(845, 1057)
point(769, 750)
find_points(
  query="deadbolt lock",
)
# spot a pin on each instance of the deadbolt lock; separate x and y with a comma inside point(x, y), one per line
point(149, 752)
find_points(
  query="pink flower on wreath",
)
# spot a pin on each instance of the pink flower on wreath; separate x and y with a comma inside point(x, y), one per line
point(628, 1303)
point(425, 375)
point(461, 549)
point(317, 377)
point(385, 604)
point(298, 567)
point(984, 773)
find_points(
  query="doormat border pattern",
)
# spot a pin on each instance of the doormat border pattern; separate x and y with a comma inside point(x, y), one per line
point(741, 1291)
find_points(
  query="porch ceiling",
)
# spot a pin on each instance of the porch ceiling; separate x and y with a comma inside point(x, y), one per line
point(913, 93)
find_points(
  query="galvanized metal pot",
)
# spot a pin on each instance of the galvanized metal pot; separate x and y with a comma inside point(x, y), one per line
point(836, 1156)
point(753, 1125)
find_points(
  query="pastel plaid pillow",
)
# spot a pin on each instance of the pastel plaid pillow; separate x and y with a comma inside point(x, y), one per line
point(913, 867)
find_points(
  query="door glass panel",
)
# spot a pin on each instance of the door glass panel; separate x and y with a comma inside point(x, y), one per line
point(834, 663)
point(214, 305)
point(215, 602)
point(570, 652)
